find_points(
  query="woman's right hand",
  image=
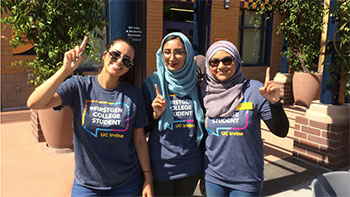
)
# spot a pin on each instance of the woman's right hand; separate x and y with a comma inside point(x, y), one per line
point(73, 58)
point(159, 104)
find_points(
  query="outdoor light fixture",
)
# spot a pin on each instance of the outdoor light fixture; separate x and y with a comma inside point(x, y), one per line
point(226, 4)
point(181, 10)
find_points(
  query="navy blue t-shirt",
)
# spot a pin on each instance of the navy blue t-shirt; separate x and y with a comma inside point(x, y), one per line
point(105, 156)
point(234, 150)
point(174, 152)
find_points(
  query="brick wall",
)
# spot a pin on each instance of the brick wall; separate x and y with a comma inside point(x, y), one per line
point(15, 88)
point(154, 33)
point(224, 22)
point(276, 46)
point(284, 81)
point(256, 72)
point(36, 127)
point(321, 143)
point(286, 93)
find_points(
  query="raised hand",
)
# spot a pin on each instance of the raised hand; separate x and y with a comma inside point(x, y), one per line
point(159, 104)
point(73, 58)
point(270, 91)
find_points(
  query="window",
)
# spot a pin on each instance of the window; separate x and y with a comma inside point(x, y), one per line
point(254, 38)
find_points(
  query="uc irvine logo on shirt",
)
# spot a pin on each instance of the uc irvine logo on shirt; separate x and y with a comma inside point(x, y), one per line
point(232, 126)
point(105, 116)
point(182, 111)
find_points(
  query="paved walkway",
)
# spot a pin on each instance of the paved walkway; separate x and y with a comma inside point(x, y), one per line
point(29, 169)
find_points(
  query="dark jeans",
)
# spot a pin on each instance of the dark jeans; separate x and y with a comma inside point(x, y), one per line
point(177, 187)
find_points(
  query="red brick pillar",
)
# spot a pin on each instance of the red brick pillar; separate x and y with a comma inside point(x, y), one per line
point(36, 128)
point(322, 135)
point(284, 81)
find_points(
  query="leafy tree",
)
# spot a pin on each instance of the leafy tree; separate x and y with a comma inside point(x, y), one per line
point(301, 26)
point(53, 27)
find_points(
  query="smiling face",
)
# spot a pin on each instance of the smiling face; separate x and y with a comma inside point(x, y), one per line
point(222, 71)
point(174, 54)
point(117, 68)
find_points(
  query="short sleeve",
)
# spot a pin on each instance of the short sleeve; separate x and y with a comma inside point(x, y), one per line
point(67, 92)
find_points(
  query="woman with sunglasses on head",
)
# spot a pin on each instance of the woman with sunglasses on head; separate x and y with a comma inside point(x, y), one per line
point(234, 158)
point(111, 152)
point(176, 115)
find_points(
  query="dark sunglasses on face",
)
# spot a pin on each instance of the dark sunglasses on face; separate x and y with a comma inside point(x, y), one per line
point(115, 55)
point(226, 61)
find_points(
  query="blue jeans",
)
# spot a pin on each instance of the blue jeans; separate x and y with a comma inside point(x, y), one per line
point(212, 189)
point(132, 188)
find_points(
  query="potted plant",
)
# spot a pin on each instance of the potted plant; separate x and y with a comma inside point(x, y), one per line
point(339, 51)
point(53, 27)
point(301, 26)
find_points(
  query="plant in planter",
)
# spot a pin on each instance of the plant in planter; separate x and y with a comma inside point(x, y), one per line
point(53, 27)
point(301, 26)
point(339, 66)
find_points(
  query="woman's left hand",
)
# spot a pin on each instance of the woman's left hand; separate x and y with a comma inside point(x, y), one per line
point(147, 190)
point(270, 91)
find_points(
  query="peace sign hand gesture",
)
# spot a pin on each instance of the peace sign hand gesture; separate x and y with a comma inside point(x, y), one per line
point(270, 91)
point(159, 104)
point(73, 58)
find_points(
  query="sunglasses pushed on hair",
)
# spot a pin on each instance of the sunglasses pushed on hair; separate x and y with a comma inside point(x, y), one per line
point(226, 61)
point(115, 55)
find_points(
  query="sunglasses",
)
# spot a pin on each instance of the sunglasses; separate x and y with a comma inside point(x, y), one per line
point(115, 55)
point(226, 61)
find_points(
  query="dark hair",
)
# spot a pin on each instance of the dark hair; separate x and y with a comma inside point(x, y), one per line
point(172, 37)
point(127, 40)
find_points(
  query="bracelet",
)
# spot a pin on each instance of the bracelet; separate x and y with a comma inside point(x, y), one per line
point(147, 171)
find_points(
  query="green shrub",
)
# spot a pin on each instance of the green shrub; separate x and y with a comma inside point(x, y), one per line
point(53, 27)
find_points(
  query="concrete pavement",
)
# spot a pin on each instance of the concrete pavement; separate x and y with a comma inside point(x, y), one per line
point(29, 169)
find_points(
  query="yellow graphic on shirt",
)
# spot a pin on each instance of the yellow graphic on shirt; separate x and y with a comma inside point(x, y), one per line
point(245, 106)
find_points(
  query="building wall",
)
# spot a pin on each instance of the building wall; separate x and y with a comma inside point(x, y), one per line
point(154, 33)
point(224, 26)
point(276, 46)
point(15, 88)
point(224, 22)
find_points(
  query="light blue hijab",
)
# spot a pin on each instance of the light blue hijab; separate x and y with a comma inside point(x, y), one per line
point(181, 83)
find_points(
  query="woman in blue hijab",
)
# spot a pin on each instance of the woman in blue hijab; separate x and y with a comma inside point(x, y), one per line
point(173, 105)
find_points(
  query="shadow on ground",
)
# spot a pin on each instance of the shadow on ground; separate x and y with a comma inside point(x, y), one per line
point(289, 173)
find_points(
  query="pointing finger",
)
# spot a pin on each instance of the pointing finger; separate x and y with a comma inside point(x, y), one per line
point(157, 90)
point(267, 77)
point(83, 44)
